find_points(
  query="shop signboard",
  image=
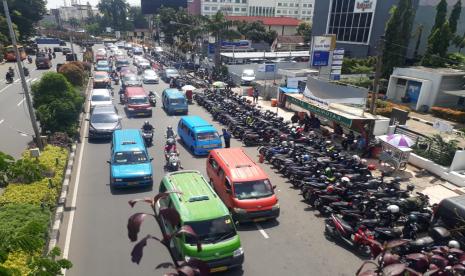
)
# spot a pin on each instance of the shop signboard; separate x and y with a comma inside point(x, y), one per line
point(336, 64)
point(242, 44)
point(321, 111)
point(322, 43)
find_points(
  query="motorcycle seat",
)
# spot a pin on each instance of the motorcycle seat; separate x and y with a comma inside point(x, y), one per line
point(422, 242)
point(330, 197)
point(346, 226)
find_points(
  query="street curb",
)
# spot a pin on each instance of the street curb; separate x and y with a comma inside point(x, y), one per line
point(421, 121)
point(61, 204)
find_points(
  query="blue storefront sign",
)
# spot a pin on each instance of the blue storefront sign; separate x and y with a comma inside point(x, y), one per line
point(235, 44)
point(320, 58)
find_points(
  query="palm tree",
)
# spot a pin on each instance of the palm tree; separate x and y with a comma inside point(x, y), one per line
point(219, 27)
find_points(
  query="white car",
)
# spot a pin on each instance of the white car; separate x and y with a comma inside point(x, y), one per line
point(150, 76)
point(100, 97)
point(137, 59)
point(248, 76)
point(143, 65)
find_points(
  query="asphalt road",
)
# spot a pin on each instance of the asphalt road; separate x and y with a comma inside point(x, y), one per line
point(15, 125)
point(97, 241)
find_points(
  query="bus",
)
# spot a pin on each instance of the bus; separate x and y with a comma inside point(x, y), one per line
point(10, 53)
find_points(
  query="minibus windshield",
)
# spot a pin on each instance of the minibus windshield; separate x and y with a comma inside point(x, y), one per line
point(129, 157)
point(211, 231)
point(253, 189)
point(205, 136)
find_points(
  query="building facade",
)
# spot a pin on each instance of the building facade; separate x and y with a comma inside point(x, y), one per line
point(357, 24)
point(299, 9)
point(77, 11)
point(282, 25)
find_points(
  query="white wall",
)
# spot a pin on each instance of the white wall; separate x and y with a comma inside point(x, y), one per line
point(458, 164)
point(443, 172)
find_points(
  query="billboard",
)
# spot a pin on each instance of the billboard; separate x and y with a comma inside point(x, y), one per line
point(236, 44)
point(267, 68)
point(320, 58)
point(323, 43)
point(365, 5)
point(152, 6)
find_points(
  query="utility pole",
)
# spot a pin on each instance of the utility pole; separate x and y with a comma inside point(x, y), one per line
point(379, 64)
point(32, 115)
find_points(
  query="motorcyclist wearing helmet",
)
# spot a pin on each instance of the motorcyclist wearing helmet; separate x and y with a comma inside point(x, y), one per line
point(170, 147)
point(147, 127)
point(170, 133)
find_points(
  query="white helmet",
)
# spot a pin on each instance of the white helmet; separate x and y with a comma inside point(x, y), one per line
point(363, 161)
point(345, 179)
point(356, 158)
point(453, 244)
point(393, 209)
point(284, 143)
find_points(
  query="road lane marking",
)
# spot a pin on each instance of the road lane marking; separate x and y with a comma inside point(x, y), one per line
point(260, 229)
point(21, 102)
point(3, 89)
point(1, 121)
point(16, 80)
point(158, 96)
point(34, 79)
point(75, 191)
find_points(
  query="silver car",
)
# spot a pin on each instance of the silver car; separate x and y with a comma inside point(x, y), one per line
point(104, 120)
point(150, 76)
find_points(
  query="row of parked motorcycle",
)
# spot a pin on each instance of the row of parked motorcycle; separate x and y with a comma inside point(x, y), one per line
point(364, 213)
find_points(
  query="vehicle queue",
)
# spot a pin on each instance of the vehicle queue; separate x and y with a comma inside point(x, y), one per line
point(237, 189)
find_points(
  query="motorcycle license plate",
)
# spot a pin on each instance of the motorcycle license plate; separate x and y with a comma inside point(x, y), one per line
point(259, 219)
point(219, 269)
point(132, 183)
point(141, 113)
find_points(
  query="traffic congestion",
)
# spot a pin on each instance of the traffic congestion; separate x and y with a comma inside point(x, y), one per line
point(200, 146)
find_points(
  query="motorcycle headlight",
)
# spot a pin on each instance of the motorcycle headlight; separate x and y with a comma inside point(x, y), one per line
point(238, 252)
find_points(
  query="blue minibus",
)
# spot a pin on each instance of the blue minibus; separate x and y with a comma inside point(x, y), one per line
point(130, 163)
point(174, 101)
point(198, 135)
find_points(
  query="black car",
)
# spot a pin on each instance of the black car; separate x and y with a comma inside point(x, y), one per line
point(43, 63)
point(57, 49)
point(65, 50)
point(104, 120)
point(62, 43)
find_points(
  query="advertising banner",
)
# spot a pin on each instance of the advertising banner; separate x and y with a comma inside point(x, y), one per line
point(320, 58)
point(336, 64)
point(236, 44)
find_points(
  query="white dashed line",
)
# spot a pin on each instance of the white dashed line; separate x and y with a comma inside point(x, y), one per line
point(260, 229)
point(1, 121)
point(21, 102)
point(158, 96)
point(16, 81)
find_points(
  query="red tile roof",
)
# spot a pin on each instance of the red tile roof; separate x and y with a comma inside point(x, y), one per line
point(268, 21)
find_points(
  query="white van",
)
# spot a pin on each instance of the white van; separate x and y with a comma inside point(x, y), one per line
point(248, 76)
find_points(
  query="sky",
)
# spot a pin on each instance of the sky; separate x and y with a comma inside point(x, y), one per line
point(52, 4)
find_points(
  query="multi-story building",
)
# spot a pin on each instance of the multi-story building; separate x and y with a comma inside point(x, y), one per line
point(299, 9)
point(77, 11)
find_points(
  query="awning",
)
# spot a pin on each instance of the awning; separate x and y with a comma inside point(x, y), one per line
point(288, 90)
point(458, 93)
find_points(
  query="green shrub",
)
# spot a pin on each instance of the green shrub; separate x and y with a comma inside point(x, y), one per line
point(27, 171)
point(57, 103)
point(6, 161)
point(22, 227)
point(454, 115)
point(40, 192)
point(73, 73)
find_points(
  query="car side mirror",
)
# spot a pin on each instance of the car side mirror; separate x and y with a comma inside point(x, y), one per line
point(228, 191)
point(87, 119)
point(108, 161)
point(274, 187)
point(151, 159)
